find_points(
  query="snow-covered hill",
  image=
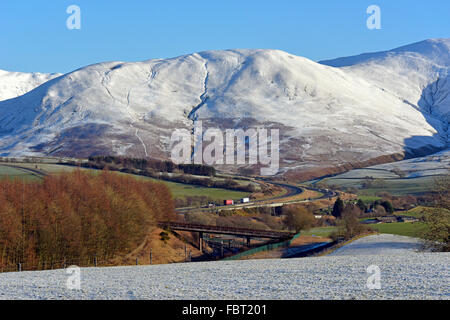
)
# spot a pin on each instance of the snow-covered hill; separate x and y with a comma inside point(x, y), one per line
point(376, 105)
point(14, 84)
point(418, 73)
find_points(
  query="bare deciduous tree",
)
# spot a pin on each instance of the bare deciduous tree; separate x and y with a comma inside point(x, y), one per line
point(437, 232)
point(298, 218)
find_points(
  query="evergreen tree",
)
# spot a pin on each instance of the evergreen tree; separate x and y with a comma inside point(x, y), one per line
point(338, 208)
point(388, 206)
point(361, 205)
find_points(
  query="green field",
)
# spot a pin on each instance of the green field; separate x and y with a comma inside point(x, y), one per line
point(368, 199)
point(417, 212)
point(179, 190)
point(15, 173)
point(184, 190)
point(400, 228)
point(48, 167)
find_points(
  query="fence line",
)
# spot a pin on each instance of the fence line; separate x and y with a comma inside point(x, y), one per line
point(59, 264)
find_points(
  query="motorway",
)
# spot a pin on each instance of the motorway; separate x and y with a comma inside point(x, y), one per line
point(291, 190)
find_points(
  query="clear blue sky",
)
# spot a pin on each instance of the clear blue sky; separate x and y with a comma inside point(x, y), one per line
point(34, 36)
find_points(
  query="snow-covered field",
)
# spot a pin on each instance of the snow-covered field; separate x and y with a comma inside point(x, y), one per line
point(435, 164)
point(405, 274)
point(438, 163)
point(383, 244)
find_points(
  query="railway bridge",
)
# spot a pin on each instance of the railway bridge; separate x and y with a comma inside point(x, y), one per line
point(239, 232)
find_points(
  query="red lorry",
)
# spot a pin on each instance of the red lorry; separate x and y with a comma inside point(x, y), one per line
point(227, 202)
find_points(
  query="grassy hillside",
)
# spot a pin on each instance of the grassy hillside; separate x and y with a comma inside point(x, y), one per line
point(400, 228)
point(16, 173)
point(368, 199)
point(417, 212)
point(178, 190)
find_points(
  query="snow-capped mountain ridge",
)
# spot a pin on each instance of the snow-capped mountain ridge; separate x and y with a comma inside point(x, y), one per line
point(14, 84)
point(435, 51)
point(418, 73)
point(383, 104)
